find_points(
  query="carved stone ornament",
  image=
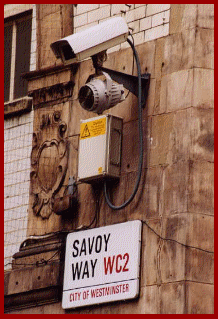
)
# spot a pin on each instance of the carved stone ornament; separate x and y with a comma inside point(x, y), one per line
point(49, 162)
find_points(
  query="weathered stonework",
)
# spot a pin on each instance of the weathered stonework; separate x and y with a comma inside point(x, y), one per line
point(175, 196)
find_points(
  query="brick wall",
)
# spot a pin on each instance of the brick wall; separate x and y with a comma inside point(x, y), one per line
point(17, 149)
point(175, 197)
point(146, 21)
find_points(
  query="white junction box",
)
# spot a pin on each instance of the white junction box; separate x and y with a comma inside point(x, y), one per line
point(100, 146)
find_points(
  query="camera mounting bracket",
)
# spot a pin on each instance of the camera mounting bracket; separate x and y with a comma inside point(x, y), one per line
point(130, 82)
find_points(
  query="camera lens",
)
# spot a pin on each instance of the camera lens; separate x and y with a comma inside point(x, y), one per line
point(86, 97)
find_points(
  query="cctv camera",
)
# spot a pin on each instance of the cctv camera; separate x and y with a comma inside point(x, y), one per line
point(98, 96)
point(91, 41)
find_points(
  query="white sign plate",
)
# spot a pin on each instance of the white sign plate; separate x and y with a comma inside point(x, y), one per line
point(102, 265)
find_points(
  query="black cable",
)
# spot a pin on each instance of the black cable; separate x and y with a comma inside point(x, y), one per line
point(132, 63)
point(175, 241)
point(38, 262)
point(140, 131)
point(63, 232)
point(43, 261)
point(95, 218)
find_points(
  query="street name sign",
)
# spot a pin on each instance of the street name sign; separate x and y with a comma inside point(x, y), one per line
point(102, 265)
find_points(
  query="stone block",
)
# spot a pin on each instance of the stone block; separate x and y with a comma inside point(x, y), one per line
point(87, 198)
point(201, 188)
point(199, 298)
point(49, 28)
point(201, 232)
point(187, 49)
point(77, 113)
point(47, 9)
point(67, 11)
point(176, 13)
point(147, 202)
point(117, 193)
point(39, 310)
point(182, 17)
point(176, 91)
point(204, 49)
point(130, 148)
point(151, 99)
point(199, 266)
point(59, 77)
point(205, 17)
point(201, 127)
point(172, 298)
point(28, 279)
point(73, 155)
point(177, 227)
point(176, 179)
point(150, 267)
point(203, 88)
point(38, 226)
point(120, 61)
point(189, 16)
point(19, 281)
point(159, 58)
point(34, 84)
point(171, 262)
point(146, 54)
point(161, 127)
point(151, 300)
point(180, 138)
point(178, 52)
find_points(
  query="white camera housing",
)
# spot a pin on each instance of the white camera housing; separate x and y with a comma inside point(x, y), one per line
point(98, 96)
point(84, 44)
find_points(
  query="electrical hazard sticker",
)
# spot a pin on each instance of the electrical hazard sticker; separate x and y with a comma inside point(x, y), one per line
point(85, 132)
point(93, 128)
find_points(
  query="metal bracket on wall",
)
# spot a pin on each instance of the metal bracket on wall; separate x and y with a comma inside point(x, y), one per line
point(71, 185)
point(130, 82)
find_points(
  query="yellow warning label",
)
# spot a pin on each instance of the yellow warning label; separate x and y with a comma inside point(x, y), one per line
point(85, 132)
point(93, 128)
point(100, 170)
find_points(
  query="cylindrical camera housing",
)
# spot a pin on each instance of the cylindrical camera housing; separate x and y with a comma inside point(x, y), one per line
point(98, 96)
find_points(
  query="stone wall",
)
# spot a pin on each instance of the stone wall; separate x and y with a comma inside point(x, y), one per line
point(175, 197)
